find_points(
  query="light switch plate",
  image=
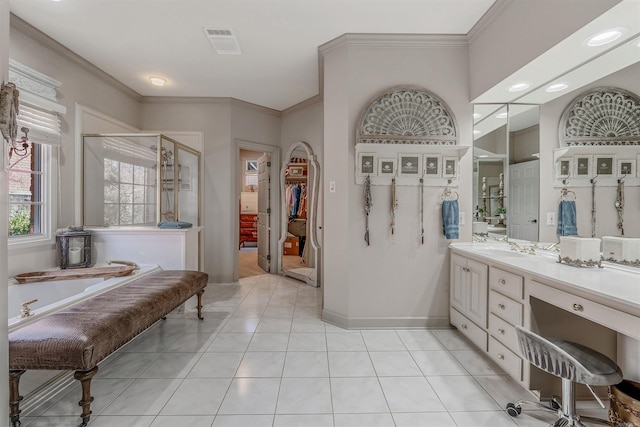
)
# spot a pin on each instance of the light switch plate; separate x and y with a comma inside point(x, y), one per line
point(461, 218)
point(332, 186)
point(551, 218)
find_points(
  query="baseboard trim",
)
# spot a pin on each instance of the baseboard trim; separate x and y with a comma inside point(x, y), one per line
point(344, 322)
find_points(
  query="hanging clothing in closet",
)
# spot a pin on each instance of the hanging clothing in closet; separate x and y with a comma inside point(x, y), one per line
point(296, 196)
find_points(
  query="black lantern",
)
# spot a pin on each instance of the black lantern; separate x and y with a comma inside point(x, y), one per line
point(75, 248)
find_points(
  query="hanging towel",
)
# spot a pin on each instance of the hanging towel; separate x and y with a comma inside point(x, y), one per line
point(450, 219)
point(567, 223)
point(174, 224)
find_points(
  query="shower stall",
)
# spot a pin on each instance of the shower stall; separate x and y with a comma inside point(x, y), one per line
point(139, 179)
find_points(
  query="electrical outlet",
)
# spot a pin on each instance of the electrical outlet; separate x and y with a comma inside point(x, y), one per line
point(551, 218)
point(461, 218)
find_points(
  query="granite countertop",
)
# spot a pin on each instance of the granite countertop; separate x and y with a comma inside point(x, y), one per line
point(614, 285)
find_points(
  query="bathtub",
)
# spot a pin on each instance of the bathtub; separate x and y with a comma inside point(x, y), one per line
point(58, 294)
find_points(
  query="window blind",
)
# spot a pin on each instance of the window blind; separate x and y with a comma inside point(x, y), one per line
point(44, 126)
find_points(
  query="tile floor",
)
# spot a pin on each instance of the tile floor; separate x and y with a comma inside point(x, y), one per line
point(262, 357)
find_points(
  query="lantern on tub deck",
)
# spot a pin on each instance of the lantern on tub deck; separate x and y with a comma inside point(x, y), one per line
point(74, 247)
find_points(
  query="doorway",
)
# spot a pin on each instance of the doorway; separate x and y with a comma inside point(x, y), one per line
point(256, 199)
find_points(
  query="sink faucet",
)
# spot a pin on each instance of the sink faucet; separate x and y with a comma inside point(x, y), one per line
point(25, 311)
point(552, 246)
point(137, 267)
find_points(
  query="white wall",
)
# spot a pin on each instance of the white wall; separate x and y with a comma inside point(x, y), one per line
point(4, 224)
point(396, 281)
point(606, 215)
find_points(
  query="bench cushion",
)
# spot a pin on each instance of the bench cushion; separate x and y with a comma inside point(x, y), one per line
point(80, 336)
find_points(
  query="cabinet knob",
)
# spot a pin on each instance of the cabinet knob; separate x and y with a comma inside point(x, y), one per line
point(501, 306)
point(463, 326)
point(501, 331)
point(465, 269)
point(502, 281)
point(500, 356)
point(578, 307)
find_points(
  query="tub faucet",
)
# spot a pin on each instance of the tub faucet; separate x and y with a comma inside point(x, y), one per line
point(137, 267)
point(25, 311)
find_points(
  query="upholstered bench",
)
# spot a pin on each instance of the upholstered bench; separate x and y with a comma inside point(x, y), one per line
point(80, 336)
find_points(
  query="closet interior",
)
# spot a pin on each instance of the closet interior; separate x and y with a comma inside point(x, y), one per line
point(296, 176)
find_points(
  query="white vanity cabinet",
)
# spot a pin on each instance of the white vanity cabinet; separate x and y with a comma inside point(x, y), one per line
point(468, 298)
point(506, 310)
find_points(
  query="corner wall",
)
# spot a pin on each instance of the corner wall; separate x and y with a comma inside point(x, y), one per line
point(397, 281)
point(4, 220)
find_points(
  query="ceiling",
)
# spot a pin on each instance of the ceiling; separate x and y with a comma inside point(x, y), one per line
point(279, 39)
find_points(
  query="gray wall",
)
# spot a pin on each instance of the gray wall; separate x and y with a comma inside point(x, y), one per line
point(4, 225)
point(396, 281)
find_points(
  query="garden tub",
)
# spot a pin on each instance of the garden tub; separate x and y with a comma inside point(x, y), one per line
point(58, 294)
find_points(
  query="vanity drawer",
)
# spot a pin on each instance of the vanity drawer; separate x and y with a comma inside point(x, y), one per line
point(505, 308)
point(508, 360)
point(508, 284)
point(617, 320)
point(477, 335)
point(504, 332)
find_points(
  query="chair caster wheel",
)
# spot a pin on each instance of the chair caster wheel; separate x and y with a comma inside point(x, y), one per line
point(513, 410)
point(554, 403)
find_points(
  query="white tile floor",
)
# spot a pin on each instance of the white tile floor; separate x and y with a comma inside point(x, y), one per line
point(263, 357)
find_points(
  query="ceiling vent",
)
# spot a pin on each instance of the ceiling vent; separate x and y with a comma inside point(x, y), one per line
point(223, 41)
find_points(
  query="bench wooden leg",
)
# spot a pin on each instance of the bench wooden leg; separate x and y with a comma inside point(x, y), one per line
point(200, 304)
point(85, 380)
point(14, 396)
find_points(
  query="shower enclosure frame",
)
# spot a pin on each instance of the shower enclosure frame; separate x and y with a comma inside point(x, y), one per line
point(160, 142)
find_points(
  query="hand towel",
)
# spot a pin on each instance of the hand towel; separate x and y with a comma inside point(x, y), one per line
point(450, 219)
point(567, 222)
point(174, 224)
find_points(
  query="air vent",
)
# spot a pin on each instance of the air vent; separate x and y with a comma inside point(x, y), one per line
point(223, 41)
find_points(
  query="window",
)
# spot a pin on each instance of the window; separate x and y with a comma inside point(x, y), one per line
point(129, 193)
point(26, 196)
point(30, 177)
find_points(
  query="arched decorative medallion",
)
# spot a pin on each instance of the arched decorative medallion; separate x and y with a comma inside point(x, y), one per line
point(602, 116)
point(407, 115)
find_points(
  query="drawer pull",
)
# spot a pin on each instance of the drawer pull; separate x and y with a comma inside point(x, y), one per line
point(465, 269)
point(578, 307)
point(502, 281)
point(501, 331)
point(502, 307)
point(463, 326)
point(500, 356)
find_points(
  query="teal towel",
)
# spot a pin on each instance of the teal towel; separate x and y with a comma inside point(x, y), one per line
point(567, 222)
point(174, 224)
point(450, 219)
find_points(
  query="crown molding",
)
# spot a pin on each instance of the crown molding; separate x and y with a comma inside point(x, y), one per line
point(392, 41)
point(44, 40)
point(301, 105)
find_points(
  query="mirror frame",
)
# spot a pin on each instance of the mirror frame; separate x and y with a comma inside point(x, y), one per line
point(313, 181)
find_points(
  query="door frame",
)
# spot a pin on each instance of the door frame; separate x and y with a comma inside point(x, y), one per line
point(274, 200)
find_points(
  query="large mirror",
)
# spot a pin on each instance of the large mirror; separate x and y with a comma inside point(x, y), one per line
point(506, 170)
point(299, 251)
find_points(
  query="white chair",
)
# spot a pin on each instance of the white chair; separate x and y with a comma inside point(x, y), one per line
point(572, 362)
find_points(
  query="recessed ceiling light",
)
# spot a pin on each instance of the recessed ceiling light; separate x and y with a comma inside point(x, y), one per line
point(556, 87)
point(482, 156)
point(519, 87)
point(157, 81)
point(477, 132)
point(605, 36)
point(502, 115)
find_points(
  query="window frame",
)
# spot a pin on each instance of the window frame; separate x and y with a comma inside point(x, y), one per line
point(49, 181)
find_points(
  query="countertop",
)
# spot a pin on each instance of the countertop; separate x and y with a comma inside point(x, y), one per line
point(613, 285)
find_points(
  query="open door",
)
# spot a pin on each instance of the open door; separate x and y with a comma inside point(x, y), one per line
point(264, 211)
